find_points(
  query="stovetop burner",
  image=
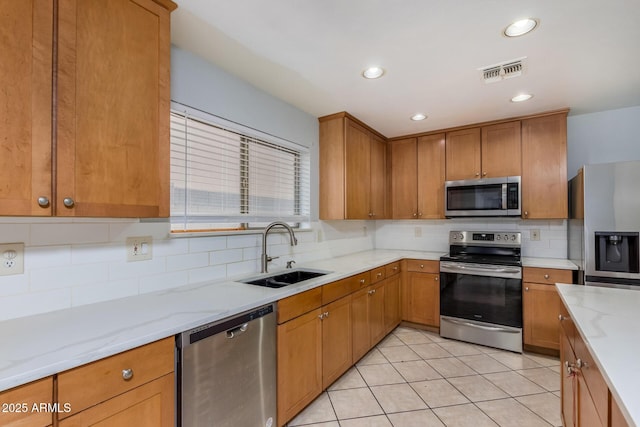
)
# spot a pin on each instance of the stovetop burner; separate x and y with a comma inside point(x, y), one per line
point(477, 247)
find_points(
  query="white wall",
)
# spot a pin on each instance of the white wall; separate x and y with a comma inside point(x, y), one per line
point(603, 137)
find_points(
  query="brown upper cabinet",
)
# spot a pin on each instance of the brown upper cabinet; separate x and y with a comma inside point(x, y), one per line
point(352, 169)
point(484, 152)
point(106, 152)
point(544, 167)
point(417, 177)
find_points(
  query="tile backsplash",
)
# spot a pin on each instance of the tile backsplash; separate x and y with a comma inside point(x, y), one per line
point(434, 235)
point(73, 262)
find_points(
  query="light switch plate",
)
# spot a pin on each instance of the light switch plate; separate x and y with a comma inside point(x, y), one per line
point(11, 259)
point(139, 248)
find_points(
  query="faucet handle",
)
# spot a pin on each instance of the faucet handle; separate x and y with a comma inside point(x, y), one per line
point(271, 258)
point(290, 263)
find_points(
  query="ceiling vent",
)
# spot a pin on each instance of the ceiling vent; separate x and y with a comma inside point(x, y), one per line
point(505, 70)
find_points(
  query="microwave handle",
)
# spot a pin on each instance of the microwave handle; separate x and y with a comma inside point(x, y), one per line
point(504, 196)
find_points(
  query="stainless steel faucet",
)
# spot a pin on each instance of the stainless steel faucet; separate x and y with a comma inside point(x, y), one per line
point(266, 258)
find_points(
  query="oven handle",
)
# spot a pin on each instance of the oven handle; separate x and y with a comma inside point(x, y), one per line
point(481, 270)
point(486, 328)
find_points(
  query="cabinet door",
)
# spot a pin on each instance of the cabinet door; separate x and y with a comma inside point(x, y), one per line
point(376, 313)
point(113, 108)
point(360, 323)
point(463, 154)
point(299, 364)
point(357, 173)
point(150, 405)
point(26, 30)
point(337, 354)
point(568, 383)
point(501, 154)
point(378, 178)
point(423, 294)
point(35, 393)
point(404, 184)
point(391, 303)
point(544, 170)
point(431, 176)
point(541, 306)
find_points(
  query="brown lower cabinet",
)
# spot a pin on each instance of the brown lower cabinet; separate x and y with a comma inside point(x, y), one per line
point(421, 293)
point(17, 404)
point(135, 388)
point(541, 305)
point(324, 331)
point(586, 399)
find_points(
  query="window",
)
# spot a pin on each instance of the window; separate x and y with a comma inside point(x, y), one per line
point(225, 177)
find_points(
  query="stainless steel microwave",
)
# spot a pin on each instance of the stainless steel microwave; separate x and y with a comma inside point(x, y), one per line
point(483, 197)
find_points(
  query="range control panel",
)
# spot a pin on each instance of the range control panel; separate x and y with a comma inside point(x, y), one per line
point(483, 238)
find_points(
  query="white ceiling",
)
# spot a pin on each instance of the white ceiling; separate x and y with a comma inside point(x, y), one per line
point(585, 55)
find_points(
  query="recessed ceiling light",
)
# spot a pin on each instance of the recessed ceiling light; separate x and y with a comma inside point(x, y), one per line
point(372, 73)
point(522, 97)
point(520, 27)
point(418, 116)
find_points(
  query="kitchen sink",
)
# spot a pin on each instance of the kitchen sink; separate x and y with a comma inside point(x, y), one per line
point(280, 280)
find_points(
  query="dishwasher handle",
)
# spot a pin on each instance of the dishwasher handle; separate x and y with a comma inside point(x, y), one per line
point(232, 333)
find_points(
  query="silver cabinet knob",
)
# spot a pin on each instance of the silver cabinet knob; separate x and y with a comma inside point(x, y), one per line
point(421, 265)
point(415, 214)
point(68, 202)
point(526, 289)
point(370, 214)
point(43, 201)
point(379, 275)
point(321, 316)
point(395, 268)
point(526, 213)
point(127, 374)
point(419, 213)
point(546, 276)
point(362, 281)
point(435, 278)
point(484, 174)
point(477, 173)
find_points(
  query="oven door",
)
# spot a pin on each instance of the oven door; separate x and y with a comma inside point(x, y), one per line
point(485, 293)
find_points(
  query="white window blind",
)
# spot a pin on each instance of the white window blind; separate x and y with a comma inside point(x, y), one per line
point(223, 178)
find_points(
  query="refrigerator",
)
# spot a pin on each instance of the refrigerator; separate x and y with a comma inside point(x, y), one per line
point(604, 224)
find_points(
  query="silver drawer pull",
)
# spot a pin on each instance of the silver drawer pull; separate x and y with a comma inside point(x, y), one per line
point(127, 374)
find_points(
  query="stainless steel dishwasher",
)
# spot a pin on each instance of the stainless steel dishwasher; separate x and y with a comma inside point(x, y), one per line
point(227, 372)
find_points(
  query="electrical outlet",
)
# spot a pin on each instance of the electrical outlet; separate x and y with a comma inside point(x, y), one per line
point(534, 235)
point(139, 248)
point(417, 232)
point(11, 259)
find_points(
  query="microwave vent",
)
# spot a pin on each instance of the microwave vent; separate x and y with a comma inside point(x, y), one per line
point(506, 70)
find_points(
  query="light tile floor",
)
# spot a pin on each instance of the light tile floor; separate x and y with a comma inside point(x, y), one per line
point(416, 378)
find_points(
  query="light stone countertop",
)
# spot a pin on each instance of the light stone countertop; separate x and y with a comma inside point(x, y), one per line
point(563, 264)
point(608, 319)
point(38, 346)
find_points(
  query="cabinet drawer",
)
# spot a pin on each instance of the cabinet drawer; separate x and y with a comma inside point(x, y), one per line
point(36, 393)
point(423, 266)
point(378, 274)
point(547, 275)
point(336, 290)
point(296, 305)
point(391, 269)
point(96, 382)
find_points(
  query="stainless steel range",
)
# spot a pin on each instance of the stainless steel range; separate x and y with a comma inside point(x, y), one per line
point(481, 289)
